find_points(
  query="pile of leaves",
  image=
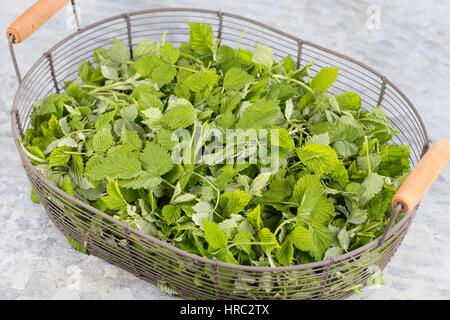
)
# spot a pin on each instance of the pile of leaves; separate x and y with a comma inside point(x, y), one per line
point(108, 140)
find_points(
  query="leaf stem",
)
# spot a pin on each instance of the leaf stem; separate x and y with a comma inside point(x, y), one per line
point(301, 84)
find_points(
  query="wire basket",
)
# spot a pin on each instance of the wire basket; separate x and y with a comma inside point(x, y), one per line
point(189, 275)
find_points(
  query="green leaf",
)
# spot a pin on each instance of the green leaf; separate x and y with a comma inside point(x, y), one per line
point(104, 119)
point(202, 211)
point(263, 55)
point(241, 240)
point(145, 47)
point(235, 79)
point(233, 202)
point(281, 137)
point(322, 138)
point(196, 81)
point(109, 72)
point(259, 183)
point(322, 239)
point(181, 115)
point(131, 139)
point(321, 159)
point(269, 240)
point(254, 217)
point(345, 149)
point(169, 53)
point(309, 203)
point(119, 51)
point(163, 74)
point(155, 159)
point(306, 182)
point(58, 157)
point(146, 65)
point(66, 186)
point(301, 238)
point(145, 180)
point(171, 213)
point(344, 238)
point(34, 197)
point(371, 185)
point(201, 37)
point(324, 79)
point(114, 166)
point(259, 115)
point(285, 254)
point(333, 252)
point(215, 237)
point(349, 101)
point(324, 211)
point(102, 141)
point(76, 245)
point(115, 198)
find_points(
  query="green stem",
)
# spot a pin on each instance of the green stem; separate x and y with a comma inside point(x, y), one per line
point(282, 224)
point(301, 84)
point(366, 142)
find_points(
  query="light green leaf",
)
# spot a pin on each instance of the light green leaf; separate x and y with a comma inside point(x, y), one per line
point(155, 159)
point(163, 74)
point(119, 51)
point(102, 141)
point(254, 217)
point(241, 240)
point(268, 238)
point(145, 47)
point(202, 211)
point(115, 198)
point(196, 81)
point(371, 185)
point(345, 149)
point(263, 55)
point(171, 213)
point(114, 166)
point(235, 79)
point(324, 79)
point(215, 237)
point(259, 115)
point(169, 53)
point(144, 180)
point(349, 101)
point(281, 137)
point(322, 239)
point(285, 254)
point(321, 159)
point(301, 238)
point(181, 115)
point(201, 37)
point(131, 139)
point(58, 157)
point(104, 119)
point(233, 202)
point(259, 183)
point(344, 238)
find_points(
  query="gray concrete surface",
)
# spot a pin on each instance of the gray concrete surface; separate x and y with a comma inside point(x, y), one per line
point(411, 47)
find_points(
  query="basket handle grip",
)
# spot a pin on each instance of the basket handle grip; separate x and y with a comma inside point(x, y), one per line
point(32, 19)
point(422, 176)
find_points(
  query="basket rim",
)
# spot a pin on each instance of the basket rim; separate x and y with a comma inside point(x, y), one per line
point(323, 263)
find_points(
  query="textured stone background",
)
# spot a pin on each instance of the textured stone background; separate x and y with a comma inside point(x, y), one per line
point(411, 48)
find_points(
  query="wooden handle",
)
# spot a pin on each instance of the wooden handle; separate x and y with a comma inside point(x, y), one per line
point(422, 177)
point(33, 18)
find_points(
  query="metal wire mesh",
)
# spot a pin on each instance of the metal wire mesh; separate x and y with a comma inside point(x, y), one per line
point(153, 260)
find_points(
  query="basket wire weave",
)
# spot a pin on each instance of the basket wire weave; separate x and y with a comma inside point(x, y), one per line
point(153, 260)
